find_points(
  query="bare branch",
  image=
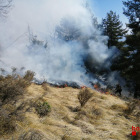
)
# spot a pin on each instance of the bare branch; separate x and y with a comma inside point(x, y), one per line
point(5, 7)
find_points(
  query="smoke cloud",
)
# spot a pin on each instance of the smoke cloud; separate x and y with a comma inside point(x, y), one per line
point(61, 59)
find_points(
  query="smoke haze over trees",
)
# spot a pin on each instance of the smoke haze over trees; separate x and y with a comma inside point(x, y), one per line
point(62, 41)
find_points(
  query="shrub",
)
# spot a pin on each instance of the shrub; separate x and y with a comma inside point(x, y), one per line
point(13, 85)
point(7, 122)
point(84, 96)
point(32, 135)
point(10, 87)
point(43, 108)
point(29, 75)
point(45, 86)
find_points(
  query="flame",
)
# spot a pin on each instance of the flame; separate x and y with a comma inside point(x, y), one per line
point(95, 86)
point(104, 91)
point(66, 85)
point(83, 87)
point(107, 93)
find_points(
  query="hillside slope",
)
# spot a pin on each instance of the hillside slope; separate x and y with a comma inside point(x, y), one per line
point(102, 117)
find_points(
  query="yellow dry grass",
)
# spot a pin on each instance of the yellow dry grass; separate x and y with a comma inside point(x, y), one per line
point(101, 118)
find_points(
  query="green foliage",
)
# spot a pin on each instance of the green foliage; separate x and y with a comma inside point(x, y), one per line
point(132, 11)
point(113, 29)
point(128, 63)
point(83, 96)
point(43, 108)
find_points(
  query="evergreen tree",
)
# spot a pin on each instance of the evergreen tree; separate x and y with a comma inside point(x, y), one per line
point(113, 29)
point(133, 14)
point(128, 63)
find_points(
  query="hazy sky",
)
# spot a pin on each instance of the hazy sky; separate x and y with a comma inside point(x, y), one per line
point(102, 7)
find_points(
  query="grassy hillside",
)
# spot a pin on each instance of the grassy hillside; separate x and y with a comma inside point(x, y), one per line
point(102, 117)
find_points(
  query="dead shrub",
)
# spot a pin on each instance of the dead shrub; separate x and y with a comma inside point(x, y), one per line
point(14, 85)
point(11, 86)
point(7, 122)
point(43, 108)
point(29, 75)
point(45, 86)
point(83, 96)
point(32, 135)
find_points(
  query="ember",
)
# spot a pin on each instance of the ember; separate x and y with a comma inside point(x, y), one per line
point(83, 87)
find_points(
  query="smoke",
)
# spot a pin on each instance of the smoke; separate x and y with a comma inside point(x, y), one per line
point(51, 21)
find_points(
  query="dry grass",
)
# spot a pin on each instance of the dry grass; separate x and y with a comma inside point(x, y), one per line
point(101, 117)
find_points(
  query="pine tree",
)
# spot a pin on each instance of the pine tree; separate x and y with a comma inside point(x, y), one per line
point(128, 63)
point(113, 29)
point(133, 14)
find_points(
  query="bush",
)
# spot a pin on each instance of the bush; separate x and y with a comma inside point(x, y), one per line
point(45, 86)
point(7, 122)
point(84, 96)
point(29, 75)
point(10, 87)
point(32, 135)
point(43, 108)
point(14, 85)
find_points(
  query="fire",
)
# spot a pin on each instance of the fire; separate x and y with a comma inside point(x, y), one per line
point(95, 86)
point(83, 87)
point(107, 93)
point(66, 85)
point(101, 90)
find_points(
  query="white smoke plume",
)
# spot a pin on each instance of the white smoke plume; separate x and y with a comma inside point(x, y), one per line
point(60, 60)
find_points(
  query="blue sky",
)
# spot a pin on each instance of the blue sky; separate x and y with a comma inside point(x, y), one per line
point(101, 7)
